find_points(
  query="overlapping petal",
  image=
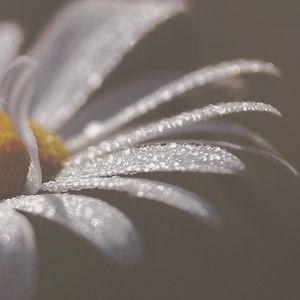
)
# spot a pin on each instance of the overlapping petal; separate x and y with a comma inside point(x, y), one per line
point(84, 44)
point(16, 89)
point(263, 154)
point(169, 125)
point(169, 157)
point(17, 255)
point(223, 130)
point(98, 222)
point(143, 188)
point(11, 38)
point(171, 91)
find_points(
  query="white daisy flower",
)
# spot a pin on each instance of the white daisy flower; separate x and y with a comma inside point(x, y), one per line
point(81, 47)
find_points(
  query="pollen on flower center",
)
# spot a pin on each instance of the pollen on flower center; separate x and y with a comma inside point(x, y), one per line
point(14, 159)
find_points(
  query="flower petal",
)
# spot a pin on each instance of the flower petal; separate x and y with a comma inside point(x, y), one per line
point(17, 255)
point(266, 155)
point(169, 92)
point(172, 157)
point(96, 35)
point(169, 125)
point(223, 130)
point(143, 188)
point(11, 38)
point(114, 99)
point(100, 223)
point(280, 199)
point(16, 89)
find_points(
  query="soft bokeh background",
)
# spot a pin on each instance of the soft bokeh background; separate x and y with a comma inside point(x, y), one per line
point(258, 256)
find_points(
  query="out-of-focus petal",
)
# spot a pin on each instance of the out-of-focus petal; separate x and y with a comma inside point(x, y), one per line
point(16, 90)
point(171, 195)
point(98, 222)
point(168, 125)
point(11, 38)
point(171, 91)
point(83, 45)
point(171, 157)
point(17, 256)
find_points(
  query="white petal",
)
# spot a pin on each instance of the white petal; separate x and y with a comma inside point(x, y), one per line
point(143, 188)
point(16, 88)
point(11, 38)
point(107, 31)
point(233, 130)
point(98, 222)
point(172, 157)
point(113, 100)
point(17, 256)
point(224, 130)
point(168, 93)
point(266, 155)
point(169, 125)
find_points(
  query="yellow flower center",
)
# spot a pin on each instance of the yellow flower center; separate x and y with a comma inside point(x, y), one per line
point(14, 159)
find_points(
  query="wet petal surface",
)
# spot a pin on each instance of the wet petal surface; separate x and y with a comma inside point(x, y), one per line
point(17, 255)
point(98, 222)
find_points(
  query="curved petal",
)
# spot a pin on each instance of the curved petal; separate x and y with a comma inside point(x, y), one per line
point(17, 256)
point(112, 100)
point(172, 157)
point(143, 188)
point(280, 195)
point(124, 94)
point(169, 125)
point(16, 89)
point(223, 130)
point(107, 30)
point(169, 92)
point(11, 38)
point(98, 222)
point(269, 156)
